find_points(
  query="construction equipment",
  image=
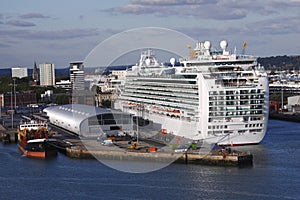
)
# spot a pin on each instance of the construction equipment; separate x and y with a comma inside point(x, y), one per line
point(134, 145)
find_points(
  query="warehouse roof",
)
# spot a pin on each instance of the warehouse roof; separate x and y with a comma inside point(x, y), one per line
point(71, 116)
point(78, 112)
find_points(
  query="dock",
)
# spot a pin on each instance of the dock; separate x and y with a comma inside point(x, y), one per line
point(185, 158)
point(8, 136)
point(120, 151)
point(147, 151)
point(214, 158)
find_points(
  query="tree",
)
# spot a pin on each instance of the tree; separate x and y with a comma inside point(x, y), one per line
point(62, 99)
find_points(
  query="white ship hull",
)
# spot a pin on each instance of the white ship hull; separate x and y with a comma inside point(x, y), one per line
point(217, 98)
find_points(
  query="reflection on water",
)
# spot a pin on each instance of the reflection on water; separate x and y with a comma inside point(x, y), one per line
point(274, 175)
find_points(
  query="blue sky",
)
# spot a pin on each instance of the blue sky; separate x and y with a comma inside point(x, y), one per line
point(60, 31)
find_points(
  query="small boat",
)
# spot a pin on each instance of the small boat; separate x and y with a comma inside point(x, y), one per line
point(39, 148)
point(6, 139)
point(34, 140)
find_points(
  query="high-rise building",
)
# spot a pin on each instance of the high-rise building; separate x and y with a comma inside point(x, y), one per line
point(19, 72)
point(77, 75)
point(47, 74)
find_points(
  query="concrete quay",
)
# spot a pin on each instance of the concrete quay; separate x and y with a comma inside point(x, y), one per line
point(8, 136)
point(74, 147)
point(292, 117)
point(215, 158)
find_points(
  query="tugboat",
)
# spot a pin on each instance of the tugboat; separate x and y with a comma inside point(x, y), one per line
point(34, 140)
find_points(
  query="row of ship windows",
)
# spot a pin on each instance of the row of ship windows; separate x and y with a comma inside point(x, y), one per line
point(164, 89)
point(234, 92)
point(220, 108)
point(252, 102)
point(173, 81)
point(149, 84)
point(240, 113)
point(174, 76)
point(186, 106)
point(225, 126)
point(214, 109)
point(245, 118)
point(237, 97)
point(166, 94)
point(165, 98)
point(227, 65)
point(254, 131)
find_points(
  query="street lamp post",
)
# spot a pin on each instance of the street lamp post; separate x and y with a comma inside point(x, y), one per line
point(15, 93)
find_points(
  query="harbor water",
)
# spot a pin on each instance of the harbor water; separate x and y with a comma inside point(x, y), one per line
point(275, 174)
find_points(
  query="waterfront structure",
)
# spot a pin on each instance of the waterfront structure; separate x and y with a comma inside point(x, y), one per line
point(47, 96)
point(19, 99)
point(105, 96)
point(286, 86)
point(82, 97)
point(88, 121)
point(77, 75)
point(216, 96)
point(66, 84)
point(19, 72)
point(47, 74)
point(294, 104)
point(274, 106)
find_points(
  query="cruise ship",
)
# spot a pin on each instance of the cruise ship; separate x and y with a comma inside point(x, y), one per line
point(216, 96)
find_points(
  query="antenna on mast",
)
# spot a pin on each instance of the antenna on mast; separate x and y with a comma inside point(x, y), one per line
point(244, 48)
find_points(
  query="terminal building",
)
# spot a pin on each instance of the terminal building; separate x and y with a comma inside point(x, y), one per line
point(89, 121)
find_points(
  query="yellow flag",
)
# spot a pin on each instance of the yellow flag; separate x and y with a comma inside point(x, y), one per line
point(244, 45)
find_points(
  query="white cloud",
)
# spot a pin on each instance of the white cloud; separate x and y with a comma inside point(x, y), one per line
point(19, 23)
point(216, 9)
point(50, 35)
point(33, 15)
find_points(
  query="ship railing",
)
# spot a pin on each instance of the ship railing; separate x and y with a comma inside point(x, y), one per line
point(235, 84)
point(245, 57)
point(162, 103)
point(225, 76)
point(168, 93)
point(238, 85)
point(168, 99)
point(150, 83)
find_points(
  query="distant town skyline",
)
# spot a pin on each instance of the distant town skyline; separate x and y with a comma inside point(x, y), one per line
point(63, 31)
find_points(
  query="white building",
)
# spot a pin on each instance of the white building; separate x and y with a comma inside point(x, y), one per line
point(294, 103)
point(77, 75)
point(47, 74)
point(19, 72)
point(89, 121)
point(47, 95)
point(66, 84)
